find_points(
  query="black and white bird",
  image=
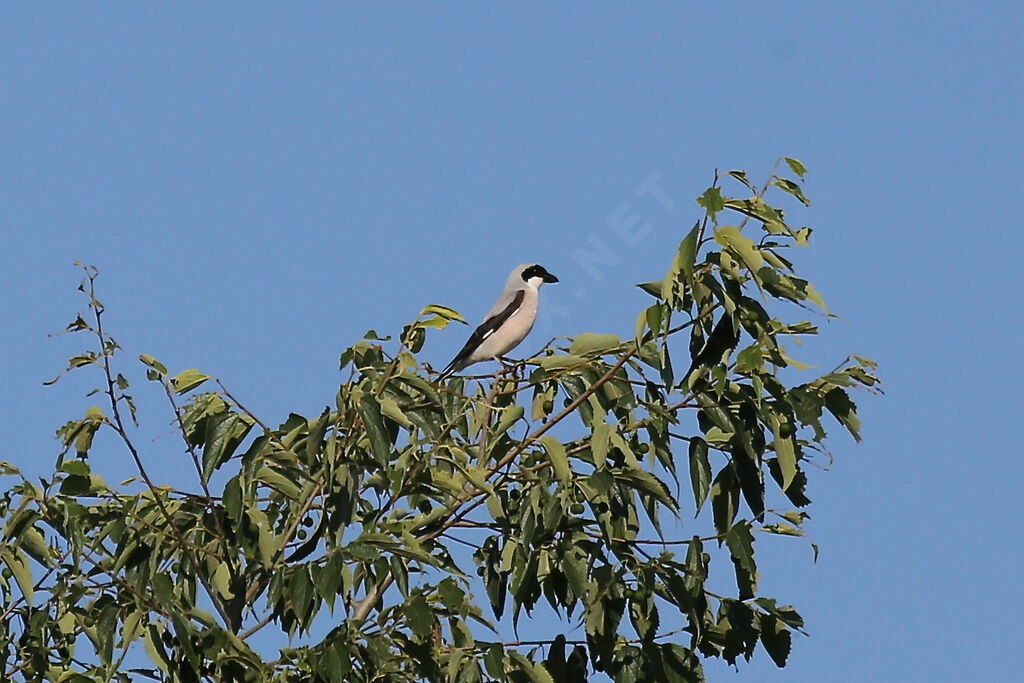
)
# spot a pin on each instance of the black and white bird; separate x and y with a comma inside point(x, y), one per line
point(509, 320)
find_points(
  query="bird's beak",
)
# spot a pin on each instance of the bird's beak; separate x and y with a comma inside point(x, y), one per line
point(548, 277)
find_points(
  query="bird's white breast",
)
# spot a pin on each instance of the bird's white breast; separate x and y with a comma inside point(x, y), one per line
point(513, 331)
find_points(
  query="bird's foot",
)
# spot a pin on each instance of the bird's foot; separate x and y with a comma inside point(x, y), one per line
point(509, 365)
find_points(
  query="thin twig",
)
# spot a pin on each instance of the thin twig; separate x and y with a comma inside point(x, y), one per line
point(118, 426)
point(214, 510)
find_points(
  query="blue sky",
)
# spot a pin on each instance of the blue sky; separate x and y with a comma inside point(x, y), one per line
point(259, 185)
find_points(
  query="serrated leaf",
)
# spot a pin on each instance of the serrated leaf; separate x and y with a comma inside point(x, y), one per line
point(644, 481)
point(535, 671)
point(776, 639)
point(682, 264)
point(329, 579)
point(574, 566)
point(301, 589)
point(279, 482)
point(741, 547)
point(419, 616)
point(380, 440)
point(389, 409)
point(494, 661)
point(725, 499)
point(700, 472)
point(843, 409)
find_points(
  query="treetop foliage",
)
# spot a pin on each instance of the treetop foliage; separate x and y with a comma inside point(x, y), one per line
point(410, 530)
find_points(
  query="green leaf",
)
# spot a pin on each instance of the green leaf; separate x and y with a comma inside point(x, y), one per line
point(574, 565)
point(389, 409)
point(83, 441)
point(599, 443)
point(785, 450)
point(16, 561)
point(795, 166)
point(741, 547)
point(380, 440)
point(509, 416)
point(224, 432)
point(301, 588)
point(221, 581)
point(730, 236)
point(843, 409)
point(700, 471)
point(589, 343)
point(792, 188)
point(443, 312)
point(279, 482)
point(266, 539)
point(815, 296)
point(653, 288)
point(153, 364)
point(535, 671)
point(329, 579)
point(750, 358)
point(682, 263)
point(645, 482)
point(711, 201)
point(494, 661)
point(419, 616)
point(742, 177)
point(561, 362)
point(155, 648)
point(559, 460)
point(187, 380)
point(776, 639)
point(725, 499)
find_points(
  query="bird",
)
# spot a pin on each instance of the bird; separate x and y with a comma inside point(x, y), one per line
point(509, 320)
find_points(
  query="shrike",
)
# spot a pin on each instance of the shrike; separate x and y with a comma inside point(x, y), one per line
point(509, 320)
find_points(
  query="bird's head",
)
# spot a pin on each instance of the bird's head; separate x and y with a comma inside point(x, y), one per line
point(535, 275)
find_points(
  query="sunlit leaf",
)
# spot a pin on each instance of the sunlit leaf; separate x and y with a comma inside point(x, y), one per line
point(588, 343)
point(187, 380)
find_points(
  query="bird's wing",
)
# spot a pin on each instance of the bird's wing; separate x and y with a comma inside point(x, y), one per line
point(507, 298)
point(502, 311)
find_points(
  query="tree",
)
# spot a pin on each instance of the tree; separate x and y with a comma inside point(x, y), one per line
point(346, 533)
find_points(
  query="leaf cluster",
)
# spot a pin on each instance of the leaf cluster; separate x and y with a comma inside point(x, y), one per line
point(394, 535)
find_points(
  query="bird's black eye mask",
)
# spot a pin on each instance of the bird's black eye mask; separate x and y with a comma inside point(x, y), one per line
point(538, 271)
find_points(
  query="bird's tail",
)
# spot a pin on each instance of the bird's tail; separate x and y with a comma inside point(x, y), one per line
point(453, 367)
